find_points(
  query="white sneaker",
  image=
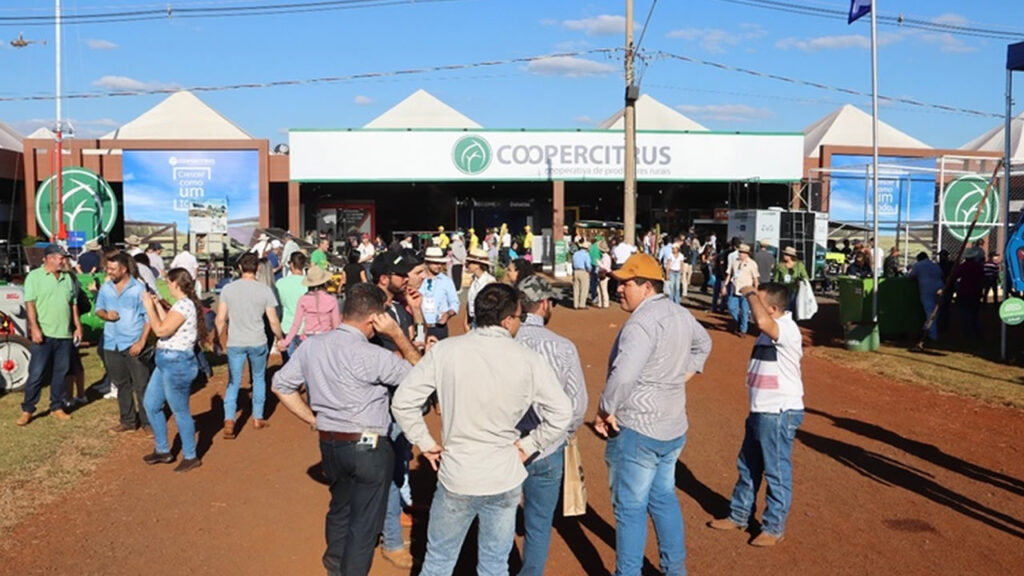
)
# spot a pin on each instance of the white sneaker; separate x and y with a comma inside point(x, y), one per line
point(111, 394)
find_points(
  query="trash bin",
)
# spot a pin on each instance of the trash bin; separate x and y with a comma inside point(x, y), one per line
point(899, 307)
point(860, 333)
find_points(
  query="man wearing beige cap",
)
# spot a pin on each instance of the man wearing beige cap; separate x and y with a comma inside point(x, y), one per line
point(643, 414)
point(742, 273)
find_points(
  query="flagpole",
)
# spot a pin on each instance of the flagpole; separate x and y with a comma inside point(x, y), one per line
point(874, 160)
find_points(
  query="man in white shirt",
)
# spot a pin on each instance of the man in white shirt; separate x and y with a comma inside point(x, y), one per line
point(485, 382)
point(186, 260)
point(366, 253)
point(742, 273)
point(775, 387)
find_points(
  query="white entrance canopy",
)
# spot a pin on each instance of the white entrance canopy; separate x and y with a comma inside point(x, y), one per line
point(518, 155)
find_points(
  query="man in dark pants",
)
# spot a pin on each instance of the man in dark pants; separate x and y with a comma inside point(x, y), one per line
point(125, 331)
point(347, 378)
point(53, 326)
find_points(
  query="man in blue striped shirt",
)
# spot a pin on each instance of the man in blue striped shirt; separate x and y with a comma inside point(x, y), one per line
point(543, 485)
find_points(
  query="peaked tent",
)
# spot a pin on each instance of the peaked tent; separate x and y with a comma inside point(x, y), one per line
point(42, 133)
point(180, 116)
point(653, 115)
point(9, 138)
point(851, 126)
point(995, 140)
point(422, 110)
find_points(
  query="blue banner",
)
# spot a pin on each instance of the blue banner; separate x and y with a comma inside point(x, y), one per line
point(162, 187)
point(906, 189)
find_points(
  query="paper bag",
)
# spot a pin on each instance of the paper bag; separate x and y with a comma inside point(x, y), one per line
point(574, 497)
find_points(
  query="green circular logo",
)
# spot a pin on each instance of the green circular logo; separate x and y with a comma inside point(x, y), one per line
point(471, 154)
point(90, 206)
point(1011, 311)
point(960, 203)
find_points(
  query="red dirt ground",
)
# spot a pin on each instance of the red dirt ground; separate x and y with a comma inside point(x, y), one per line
point(889, 479)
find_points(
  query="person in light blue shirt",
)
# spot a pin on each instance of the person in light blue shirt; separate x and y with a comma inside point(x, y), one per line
point(440, 299)
point(125, 331)
point(581, 267)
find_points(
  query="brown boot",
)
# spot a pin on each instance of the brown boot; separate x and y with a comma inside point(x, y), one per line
point(229, 429)
point(724, 524)
point(24, 419)
point(764, 540)
point(60, 415)
point(400, 558)
point(260, 424)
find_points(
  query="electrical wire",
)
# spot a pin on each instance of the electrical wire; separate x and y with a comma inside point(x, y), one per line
point(897, 21)
point(322, 80)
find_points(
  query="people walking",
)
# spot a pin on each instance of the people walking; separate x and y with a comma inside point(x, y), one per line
point(348, 379)
point(929, 286)
point(243, 305)
point(643, 414)
point(673, 265)
point(604, 270)
point(289, 289)
point(54, 328)
point(775, 390)
point(316, 311)
point(126, 329)
point(440, 299)
point(485, 381)
point(742, 273)
point(581, 268)
point(178, 329)
point(544, 474)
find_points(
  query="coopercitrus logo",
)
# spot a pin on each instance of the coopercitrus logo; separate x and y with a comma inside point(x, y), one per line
point(89, 203)
point(471, 154)
point(961, 201)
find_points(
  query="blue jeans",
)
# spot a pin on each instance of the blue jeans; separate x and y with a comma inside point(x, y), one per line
point(450, 517)
point(540, 496)
point(392, 535)
point(171, 382)
point(767, 450)
point(257, 356)
point(739, 309)
point(55, 352)
point(672, 286)
point(642, 474)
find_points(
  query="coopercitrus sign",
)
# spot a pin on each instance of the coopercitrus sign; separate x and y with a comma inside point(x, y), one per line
point(90, 206)
point(1011, 311)
point(471, 154)
point(960, 203)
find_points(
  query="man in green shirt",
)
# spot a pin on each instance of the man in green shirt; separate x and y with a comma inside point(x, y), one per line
point(289, 290)
point(319, 257)
point(50, 301)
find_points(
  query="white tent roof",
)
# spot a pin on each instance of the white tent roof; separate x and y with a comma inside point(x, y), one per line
point(9, 138)
point(653, 115)
point(42, 133)
point(994, 140)
point(422, 110)
point(850, 126)
point(181, 116)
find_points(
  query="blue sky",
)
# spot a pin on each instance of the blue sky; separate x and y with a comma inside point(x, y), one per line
point(573, 92)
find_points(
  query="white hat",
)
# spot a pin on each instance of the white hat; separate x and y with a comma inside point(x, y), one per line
point(435, 255)
point(275, 243)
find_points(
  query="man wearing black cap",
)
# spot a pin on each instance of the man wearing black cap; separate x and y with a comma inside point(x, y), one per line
point(54, 328)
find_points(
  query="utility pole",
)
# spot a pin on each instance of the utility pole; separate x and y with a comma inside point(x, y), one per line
point(61, 229)
point(629, 127)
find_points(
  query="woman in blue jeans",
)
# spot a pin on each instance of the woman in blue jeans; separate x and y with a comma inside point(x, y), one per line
point(176, 367)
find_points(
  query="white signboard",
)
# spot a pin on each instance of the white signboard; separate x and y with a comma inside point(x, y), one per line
point(456, 155)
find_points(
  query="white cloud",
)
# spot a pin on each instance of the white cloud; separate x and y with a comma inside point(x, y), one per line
point(717, 39)
point(726, 112)
point(97, 44)
point(361, 100)
point(92, 128)
point(569, 66)
point(840, 42)
point(125, 83)
point(603, 25)
point(946, 42)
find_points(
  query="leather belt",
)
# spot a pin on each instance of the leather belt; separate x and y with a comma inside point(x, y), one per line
point(340, 436)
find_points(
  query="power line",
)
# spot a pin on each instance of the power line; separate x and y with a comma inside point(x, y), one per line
point(888, 20)
point(219, 11)
point(759, 74)
point(307, 81)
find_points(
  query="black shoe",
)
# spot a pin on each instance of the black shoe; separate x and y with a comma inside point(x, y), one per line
point(158, 458)
point(188, 464)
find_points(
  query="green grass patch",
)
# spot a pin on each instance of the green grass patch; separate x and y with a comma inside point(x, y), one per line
point(951, 371)
point(46, 458)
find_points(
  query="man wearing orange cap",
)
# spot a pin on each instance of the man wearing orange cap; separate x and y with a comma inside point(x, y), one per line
point(643, 414)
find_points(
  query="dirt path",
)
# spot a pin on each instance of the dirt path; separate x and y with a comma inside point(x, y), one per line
point(889, 478)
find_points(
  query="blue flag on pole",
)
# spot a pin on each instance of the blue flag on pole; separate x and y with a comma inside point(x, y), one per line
point(858, 8)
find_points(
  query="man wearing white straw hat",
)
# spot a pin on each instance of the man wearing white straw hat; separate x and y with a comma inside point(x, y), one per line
point(742, 273)
point(133, 243)
point(479, 264)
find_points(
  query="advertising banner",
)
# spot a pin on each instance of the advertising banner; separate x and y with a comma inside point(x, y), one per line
point(906, 189)
point(482, 155)
point(166, 192)
point(90, 206)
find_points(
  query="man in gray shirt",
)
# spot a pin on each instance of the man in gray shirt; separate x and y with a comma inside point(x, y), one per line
point(347, 378)
point(765, 262)
point(243, 304)
point(544, 483)
point(643, 415)
point(485, 382)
